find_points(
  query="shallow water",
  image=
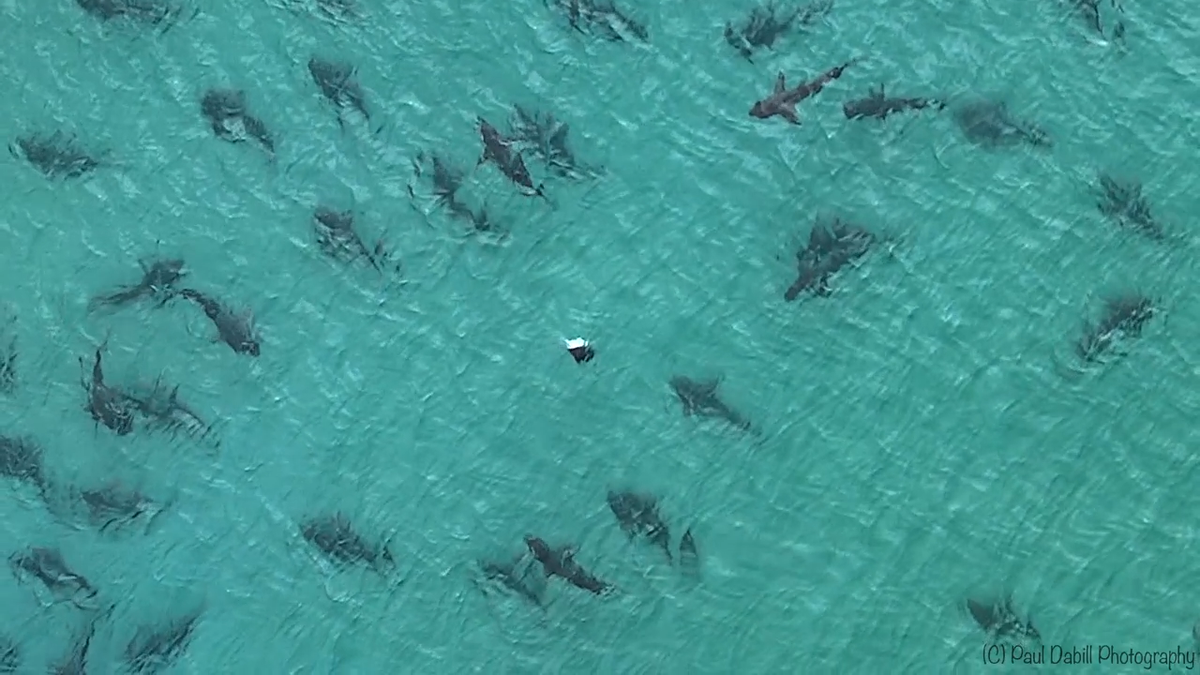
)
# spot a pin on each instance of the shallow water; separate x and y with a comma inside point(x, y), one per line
point(919, 444)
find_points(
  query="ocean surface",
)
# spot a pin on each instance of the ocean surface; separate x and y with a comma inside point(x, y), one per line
point(919, 443)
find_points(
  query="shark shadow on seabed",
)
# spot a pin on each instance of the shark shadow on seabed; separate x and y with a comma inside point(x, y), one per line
point(768, 23)
point(600, 18)
point(546, 137)
point(1090, 13)
point(999, 619)
point(701, 398)
point(339, 240)
point(1123, 202)
point(8, 354)
point(47, 565)
point(161, 409)
point(519, 577)
point(335, 11)
point(988, 123)
point(154, 647)
point(111, 508)
point(158, 283)
point(156, 13)
point(10, 655)
point(638, 515)
point(57, 155)
point(1122, 321)
point(447, 180)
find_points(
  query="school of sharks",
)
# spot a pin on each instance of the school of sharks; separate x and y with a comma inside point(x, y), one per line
point(835, 247)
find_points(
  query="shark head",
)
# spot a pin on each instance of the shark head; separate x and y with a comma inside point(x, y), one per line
point(760, 110)
point(859, 108)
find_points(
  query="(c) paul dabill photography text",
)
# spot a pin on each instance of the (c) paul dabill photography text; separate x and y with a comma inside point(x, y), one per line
point(1000, 654)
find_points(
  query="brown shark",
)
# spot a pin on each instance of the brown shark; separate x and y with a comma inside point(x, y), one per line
point(782, 101)
point(499, 151)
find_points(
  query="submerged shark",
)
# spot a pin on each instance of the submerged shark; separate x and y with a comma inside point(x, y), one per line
point(878, 105)
point(498, 150)
point(560, 562)
point(700, 397)
point(1124, 316)
point(988, 123)
point(998, 618)
point(637, 514)
point(831, 247)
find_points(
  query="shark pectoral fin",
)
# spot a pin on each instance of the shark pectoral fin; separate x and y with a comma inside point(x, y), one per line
point(780, 83)
point(789, 113)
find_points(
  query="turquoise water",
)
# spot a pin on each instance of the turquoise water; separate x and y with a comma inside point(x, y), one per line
point(919, 445)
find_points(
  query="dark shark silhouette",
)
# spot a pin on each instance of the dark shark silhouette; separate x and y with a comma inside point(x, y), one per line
point(1089, 12)
point(48, 566)
point(1125, 204)
point(988, 123)
point(339, 240)
point(76, 660)
point(547, 137)
point(161, 408)
point(107, 405)
point(113, 506)
point(830, 248)
point(689, 557)
point(8, 356)
point(782, 100)
point(154, 647)
point(637, 514)
point(22, 459)
point(148, 12)
point(602, 18)
point(499, 151)
point(1124, 316)
point(336, 537)
point(515, 577)
point(700, 397)
point(10, 655)
point(878, 105)
point(231, 121)
point(234, 329)
point(447, 181)
point(561, 563)
point(158, 281)
point(999, 619)
point(56, 156)
point(339, 86)
point(339, 10)
point(765, 25)
point(447, 178)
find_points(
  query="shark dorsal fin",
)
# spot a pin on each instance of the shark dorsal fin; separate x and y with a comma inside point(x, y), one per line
point(780, 83)
point(566, 553)
point(878, 93)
